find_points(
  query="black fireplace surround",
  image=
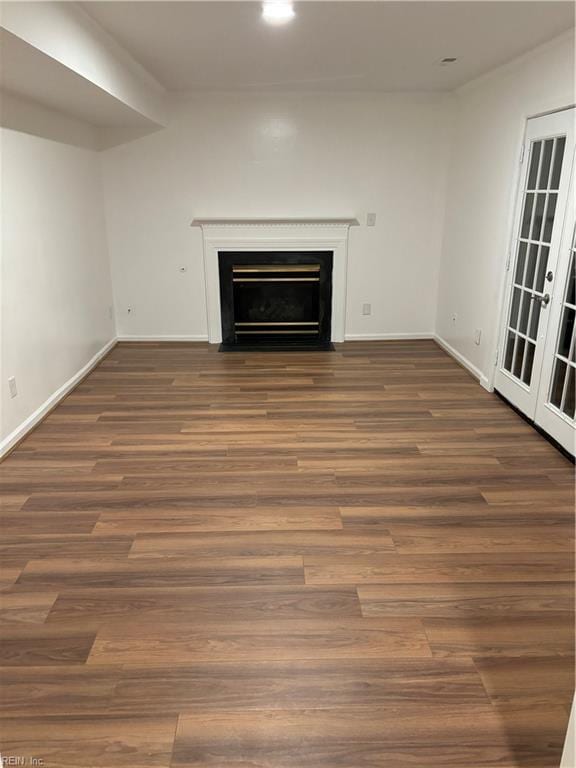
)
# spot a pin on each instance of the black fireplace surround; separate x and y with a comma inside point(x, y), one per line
point(275, 299)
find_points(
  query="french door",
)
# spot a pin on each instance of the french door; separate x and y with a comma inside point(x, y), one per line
point(536, 361)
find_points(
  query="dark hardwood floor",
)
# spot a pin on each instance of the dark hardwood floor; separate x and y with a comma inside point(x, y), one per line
point(354, 559)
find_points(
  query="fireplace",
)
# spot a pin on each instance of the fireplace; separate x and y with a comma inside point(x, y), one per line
point(275, 299)
point(262, 236)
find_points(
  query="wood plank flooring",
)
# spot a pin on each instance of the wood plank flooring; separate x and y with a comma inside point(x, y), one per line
point(354, 559)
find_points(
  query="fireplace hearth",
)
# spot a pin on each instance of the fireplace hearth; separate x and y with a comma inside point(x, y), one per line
point(275, 300)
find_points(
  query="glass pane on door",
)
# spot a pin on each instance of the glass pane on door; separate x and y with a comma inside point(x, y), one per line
point(536, 224)
point(564, 370)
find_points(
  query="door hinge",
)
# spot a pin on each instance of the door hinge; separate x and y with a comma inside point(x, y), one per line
point(508, 259)
point(522, 150)
point(496, 357)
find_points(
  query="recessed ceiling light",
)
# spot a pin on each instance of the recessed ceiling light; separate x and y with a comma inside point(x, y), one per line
point(277, 11)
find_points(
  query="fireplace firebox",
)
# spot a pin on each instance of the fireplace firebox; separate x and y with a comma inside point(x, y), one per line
point(275, 299)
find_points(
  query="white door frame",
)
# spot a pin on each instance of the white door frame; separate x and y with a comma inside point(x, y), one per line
point(502, 299)
point(525, 395)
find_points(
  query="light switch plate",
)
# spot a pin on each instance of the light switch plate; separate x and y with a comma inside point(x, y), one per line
point(371, 220)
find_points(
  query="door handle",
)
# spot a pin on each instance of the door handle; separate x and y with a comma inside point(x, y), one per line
point(544, 300)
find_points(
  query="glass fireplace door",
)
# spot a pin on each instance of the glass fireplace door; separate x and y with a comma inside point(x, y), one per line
point(276, 300)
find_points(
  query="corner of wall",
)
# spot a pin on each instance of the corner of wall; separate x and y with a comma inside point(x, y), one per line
point(489, 117)
point(113, 303)
point(451, 108)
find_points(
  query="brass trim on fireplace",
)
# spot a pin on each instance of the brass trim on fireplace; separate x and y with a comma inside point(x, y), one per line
point(276, 280)
point(258, 333)
point(269, 323)
point(277, 268)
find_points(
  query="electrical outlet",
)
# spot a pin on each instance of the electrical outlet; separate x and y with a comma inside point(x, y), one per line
point(477, 336)
point(371, 220)
point(454, 318)
point(366, 309)
point(12, 386)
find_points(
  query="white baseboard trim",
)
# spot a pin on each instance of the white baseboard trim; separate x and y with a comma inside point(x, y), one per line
point(163, 338)
point(389, 336)
point(14, 437)
point(27, 425)
point(476, 372)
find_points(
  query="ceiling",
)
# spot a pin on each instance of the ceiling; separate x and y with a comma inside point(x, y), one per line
point(387, 46)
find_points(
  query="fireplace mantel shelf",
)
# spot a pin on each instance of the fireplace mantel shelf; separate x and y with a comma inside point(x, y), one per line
point(275, 222)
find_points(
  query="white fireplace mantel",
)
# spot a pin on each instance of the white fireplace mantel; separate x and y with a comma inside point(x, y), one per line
point(274, 222)
point(278, 234)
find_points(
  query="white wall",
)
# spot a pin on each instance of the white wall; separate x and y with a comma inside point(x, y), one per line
point(490, 116)
point(56, 290)
point(282, 155)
